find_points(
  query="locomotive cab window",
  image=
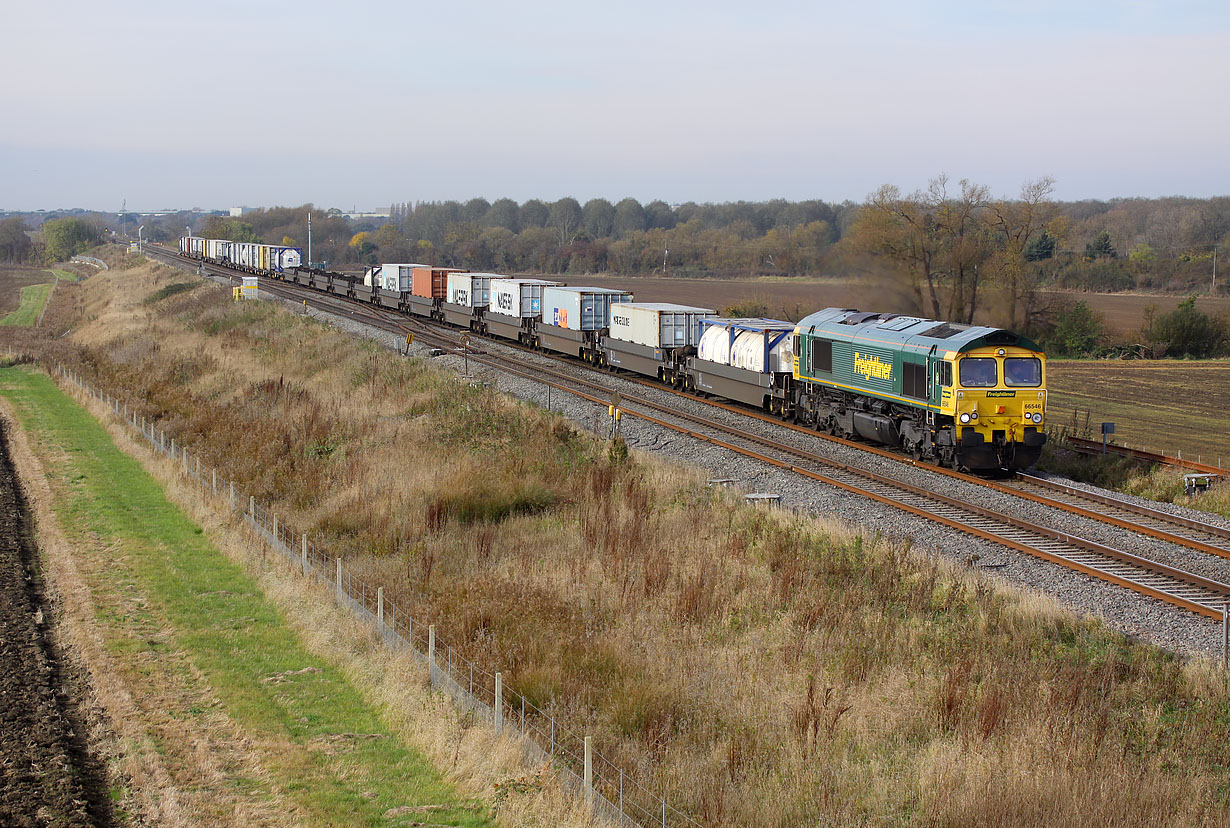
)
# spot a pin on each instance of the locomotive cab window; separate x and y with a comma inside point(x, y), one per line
point(1026, 371)
point(979, 372)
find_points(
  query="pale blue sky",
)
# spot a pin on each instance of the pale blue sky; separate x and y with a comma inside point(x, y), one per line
point(366, 103)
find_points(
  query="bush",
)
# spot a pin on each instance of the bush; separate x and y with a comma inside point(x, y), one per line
point(1186, 332)
point(1077, 331)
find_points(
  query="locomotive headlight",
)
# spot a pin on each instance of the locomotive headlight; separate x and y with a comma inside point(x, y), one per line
point(964, 418)
point(973, 415)
point(1037, 418)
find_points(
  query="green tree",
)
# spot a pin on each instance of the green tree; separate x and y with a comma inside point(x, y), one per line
point(1078, 331)
point(1041, 248)
point(1101, 247)
point(15, 244)
point(1186, 332)
point(533, 213)
point(629, 218)
point(565, 217)
point(598, 218)
point(66, 237)
point(503, 213)
point(223, 227)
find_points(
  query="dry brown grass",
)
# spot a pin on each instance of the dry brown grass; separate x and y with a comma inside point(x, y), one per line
point(757, 670)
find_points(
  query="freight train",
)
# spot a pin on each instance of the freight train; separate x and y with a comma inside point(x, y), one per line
point(962, 396)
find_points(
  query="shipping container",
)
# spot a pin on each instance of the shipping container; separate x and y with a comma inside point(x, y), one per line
point(431, 282)
point(657, 324)
point(392, 277)
point(517, 297)
point(580, 308)
point(470, 290)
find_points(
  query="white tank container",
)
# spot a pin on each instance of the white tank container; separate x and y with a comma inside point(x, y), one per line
point(657, 324)
point(517, 297)
point(714, 345)
point(748, 353)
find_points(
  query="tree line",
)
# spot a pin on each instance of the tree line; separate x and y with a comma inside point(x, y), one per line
point(58, 240)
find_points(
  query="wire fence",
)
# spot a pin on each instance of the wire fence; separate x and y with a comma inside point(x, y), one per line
point(583, 771)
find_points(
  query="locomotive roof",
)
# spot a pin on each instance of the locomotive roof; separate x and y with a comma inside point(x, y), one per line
point(901, 330)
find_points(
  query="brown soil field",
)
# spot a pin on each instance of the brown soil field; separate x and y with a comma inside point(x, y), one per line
point(1170, 405)
point(792, 298)
point(47, 774)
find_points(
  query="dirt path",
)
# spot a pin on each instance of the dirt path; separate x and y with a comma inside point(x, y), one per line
point(47, 773)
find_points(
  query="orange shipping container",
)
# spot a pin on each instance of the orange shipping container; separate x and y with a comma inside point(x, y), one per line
point(431, 282)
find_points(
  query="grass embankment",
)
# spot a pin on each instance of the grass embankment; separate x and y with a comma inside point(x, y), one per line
point(33, 298)
point(757, 670)
point(172, 608)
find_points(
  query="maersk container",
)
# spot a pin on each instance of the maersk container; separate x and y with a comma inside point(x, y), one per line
point(394, 277)
point(657, 324)
point(517, 297)
point(470, 290)
point(580, 308)
point(431, 282)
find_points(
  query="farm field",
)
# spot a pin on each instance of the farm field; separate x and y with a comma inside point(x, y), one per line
point(1171, 405)
point(24, 291)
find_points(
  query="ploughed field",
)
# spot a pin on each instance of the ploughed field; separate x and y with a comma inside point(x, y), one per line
point(47, 775)
point(1155, 404)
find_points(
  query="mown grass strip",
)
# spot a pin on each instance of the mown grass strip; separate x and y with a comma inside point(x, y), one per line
point(346, 768)
point(33, 297)
point(65, 275)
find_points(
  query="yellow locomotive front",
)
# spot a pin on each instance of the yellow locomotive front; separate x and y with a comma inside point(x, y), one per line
point(998, 405)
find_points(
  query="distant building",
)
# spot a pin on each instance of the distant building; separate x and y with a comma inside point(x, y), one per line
point(374, 214)
point(236, 212)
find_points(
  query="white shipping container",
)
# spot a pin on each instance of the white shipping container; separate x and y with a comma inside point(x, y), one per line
point(580, 308)
point(517, 297)
point(396, 277)
point(470, 290)
point(657, 324)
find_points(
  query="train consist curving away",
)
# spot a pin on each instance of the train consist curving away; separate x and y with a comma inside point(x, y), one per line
point(956, 395)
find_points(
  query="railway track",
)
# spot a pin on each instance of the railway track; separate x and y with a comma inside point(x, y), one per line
point(1178, 587)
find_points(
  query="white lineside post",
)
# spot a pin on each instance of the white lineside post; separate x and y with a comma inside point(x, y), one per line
point(275, 531)
point(164, 434)
point(380, 607)
point(431, 651)
point(213, 477)
point(589, 772)
point(232, 495)
point(198, 467)
point(305, 566)
point(499, 702)
point(339, 580)
point(252, 508)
